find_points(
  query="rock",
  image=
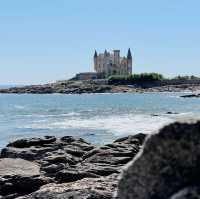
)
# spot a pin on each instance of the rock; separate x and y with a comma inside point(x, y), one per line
point(191, 96)
point(99, 169)
point(69, 162)
point(53, 168)
point(155, 115)
point(187, 193)
point(79, 87)
point(88, 188)
point(170, 113)
point(168, 163)
point(19, 177)
point(137, 139)
point(24, 143)
point(11, 167)
point(72, 176)
point(49, 150)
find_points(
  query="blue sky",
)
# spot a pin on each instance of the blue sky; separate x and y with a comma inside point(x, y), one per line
point(47, 40)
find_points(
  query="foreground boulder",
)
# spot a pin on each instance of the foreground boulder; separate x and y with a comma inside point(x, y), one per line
point(68, 167)
point(167, 168)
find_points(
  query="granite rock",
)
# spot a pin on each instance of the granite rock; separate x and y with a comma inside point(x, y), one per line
point(168, 163)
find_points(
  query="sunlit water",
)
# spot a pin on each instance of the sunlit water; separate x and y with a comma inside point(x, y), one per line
point(98, 118)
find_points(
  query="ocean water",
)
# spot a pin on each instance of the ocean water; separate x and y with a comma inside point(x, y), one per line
point(98, 118)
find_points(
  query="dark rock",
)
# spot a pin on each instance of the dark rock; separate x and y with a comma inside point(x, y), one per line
point(24, 143)
point(99, 169)
point(53, 168)
point(191, 96)
point(49, 148)
point(169, 162)
point(88, 188)
point(154, 115)
point(19, 177)
point(132, 139)
point(71, 176)
point(79, 87)
point(68, 160)
point(170, 113)
point(187, 193)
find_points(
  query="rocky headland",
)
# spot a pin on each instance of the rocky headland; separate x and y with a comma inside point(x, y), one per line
point(79, 87)
point(162, 165)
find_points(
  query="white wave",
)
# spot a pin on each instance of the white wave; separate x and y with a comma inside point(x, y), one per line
point(70, 114)
point(48, 115)
point(187, 116)
point(118, 125)
point(19, 107)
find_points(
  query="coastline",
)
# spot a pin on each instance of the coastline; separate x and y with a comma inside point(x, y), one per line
point(134, 166)
point(81, 87)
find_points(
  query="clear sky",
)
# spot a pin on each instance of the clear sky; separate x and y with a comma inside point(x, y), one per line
point(47, 40)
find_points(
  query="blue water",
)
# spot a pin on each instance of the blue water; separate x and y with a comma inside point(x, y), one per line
point(98, 118)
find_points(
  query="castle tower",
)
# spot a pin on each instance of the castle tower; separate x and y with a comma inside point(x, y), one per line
point(129, 61)
point(95, 61)
point(105, 53)
point(117, 57)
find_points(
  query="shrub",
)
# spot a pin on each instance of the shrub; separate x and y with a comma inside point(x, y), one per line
point(135, 78)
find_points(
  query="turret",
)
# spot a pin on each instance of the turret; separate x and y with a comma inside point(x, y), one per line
point(117, 57)
point(95, 54)
point(129, 61)
point(95, 61)
point(105, 53)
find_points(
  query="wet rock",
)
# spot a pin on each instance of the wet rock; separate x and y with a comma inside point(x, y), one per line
point(170, 113)
point(155, 115)
point(169, 162)
point(191, 96)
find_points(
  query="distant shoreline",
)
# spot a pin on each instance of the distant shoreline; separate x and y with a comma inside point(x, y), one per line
point(81, 87)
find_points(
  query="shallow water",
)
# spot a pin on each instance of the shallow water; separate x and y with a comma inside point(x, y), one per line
point(98, 118)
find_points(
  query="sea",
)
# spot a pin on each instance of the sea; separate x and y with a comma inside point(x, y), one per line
point(98, 118)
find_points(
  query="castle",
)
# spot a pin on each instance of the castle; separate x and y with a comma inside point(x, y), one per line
point(107, 64)
point(112, 64)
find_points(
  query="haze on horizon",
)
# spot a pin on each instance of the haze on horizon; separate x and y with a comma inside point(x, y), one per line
point(44, 41)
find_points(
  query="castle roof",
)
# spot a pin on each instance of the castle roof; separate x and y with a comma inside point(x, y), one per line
point(95, 53)
point(129, 56)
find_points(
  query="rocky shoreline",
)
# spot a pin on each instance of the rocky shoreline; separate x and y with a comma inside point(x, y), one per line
point(68, 164)
point(79, 87)
point(164, 165)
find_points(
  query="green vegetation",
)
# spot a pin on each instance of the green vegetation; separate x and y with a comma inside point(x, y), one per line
point(186, 77)
point(135, 78)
